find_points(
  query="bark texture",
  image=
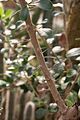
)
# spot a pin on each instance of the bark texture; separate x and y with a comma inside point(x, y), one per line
point(73, 24)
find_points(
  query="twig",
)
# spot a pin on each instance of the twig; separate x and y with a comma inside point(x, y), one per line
point(54, 54)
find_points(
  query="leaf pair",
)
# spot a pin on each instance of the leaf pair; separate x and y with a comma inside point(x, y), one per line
point(42, 4)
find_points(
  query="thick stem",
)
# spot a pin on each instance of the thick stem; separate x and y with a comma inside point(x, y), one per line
point(44, 68)
point(72, 8)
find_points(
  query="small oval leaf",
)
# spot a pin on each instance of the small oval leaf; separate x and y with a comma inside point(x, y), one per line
point(57, 49)
point(40, 113)
point(44, 4)
point(24, 13)
point(71, 99)
point(73, 52)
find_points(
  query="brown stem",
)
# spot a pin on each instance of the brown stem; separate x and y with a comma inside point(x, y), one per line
point(72, 27)
point(43, 66)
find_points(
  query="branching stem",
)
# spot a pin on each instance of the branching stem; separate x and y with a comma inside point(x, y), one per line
point(43, 66)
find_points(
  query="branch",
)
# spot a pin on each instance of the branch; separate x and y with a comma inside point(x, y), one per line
point(43, 66)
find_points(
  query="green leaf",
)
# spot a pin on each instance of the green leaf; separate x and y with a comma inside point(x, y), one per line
point(71, 99)
point(24, 13)
point(58, 67)
point(39, 103)
point(44, 4)
point(71, 73)
point(73, 52)
point(57, 49)
point(3, 50)
point(78, 81)
point(8, 13)
point(56, 13)
point(78, 58)
point(1, 11)
point(45, 32)
point(40, 113)
point(69, 103)
point(2, 83)
point(50, 40)
point(53, 107)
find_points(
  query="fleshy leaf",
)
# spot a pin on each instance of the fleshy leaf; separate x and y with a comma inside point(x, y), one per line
point(44, 4)
point(71, 99)
point(40, 113)
point(73, 52)
point(24, 13)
